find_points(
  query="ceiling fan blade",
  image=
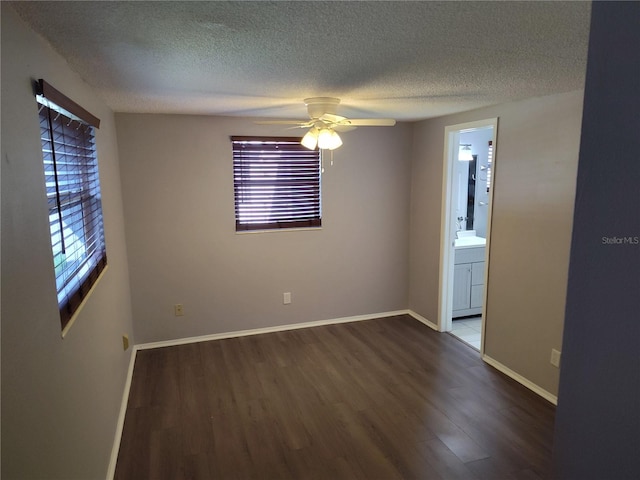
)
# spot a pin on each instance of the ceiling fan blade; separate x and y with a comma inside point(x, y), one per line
point(322, 115)
point(301, 123)
point(332, 118)
point(344, 128)
point(369, 122)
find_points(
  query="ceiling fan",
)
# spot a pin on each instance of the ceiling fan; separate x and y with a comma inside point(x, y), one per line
point(324, 124)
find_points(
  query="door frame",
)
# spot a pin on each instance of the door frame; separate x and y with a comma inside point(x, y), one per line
point(447, 227)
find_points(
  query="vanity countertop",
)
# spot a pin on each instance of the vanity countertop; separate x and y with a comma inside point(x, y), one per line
point(470, 242)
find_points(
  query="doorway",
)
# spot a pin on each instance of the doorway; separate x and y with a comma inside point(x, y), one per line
point(468, 174)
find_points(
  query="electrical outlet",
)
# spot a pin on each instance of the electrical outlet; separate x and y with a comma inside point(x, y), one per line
point(286, 298)
point(555, 358)
point(125, 342)
point(178, 310)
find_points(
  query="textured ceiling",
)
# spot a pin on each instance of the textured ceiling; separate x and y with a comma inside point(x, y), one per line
point(405, 60)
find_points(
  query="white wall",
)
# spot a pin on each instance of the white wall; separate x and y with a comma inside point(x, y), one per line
point(460, 192)
point(60, 398)
point(178, 194)
point(534, 180)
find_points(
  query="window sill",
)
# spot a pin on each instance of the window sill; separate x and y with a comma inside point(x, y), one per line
point(72, 320)
point(278, 230)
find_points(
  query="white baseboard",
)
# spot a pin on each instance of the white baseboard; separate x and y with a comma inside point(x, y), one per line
point(498, 366)
point(123, 410)
point(421, 319)
point(257, 331)
point(520, 379)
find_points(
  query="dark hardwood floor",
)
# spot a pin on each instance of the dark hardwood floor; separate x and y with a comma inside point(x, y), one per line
point(379, 399)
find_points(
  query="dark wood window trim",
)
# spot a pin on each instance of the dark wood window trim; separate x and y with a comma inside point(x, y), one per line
point(73, 196)
point(61, 100)
point(276, 184)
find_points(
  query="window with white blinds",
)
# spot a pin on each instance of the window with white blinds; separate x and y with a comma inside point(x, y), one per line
point(489, 165)
point(276, 183)
point(73, 196)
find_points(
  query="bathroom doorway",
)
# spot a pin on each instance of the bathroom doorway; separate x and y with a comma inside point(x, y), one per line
point(469, 167)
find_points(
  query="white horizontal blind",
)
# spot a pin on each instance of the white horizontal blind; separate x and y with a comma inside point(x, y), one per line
point(276, 183)
point(489, 165)
point(75, 211)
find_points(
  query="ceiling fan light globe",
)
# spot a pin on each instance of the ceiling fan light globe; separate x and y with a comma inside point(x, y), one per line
point(324, 138)
point(328, 139)
point(310, 140)
point(336, 141)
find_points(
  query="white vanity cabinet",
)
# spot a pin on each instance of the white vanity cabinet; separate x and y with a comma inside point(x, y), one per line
point(468, 281)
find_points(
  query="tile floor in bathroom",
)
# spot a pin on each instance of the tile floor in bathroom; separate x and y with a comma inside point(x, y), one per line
point(469, 330)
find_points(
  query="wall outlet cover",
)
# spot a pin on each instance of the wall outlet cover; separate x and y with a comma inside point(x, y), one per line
point(555, 357)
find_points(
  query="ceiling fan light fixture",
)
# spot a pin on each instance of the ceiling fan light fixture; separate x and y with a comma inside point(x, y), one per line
point(324, 123)
point(328, 139)
point(310, 139)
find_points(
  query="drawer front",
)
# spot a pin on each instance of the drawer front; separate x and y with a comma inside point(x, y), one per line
point(469, 255)
point(477, 295)
point(477, 273)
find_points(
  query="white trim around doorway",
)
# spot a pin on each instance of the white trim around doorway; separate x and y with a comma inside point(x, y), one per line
point(447, 227)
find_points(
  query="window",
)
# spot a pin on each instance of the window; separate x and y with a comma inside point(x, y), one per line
point(73, 196)
point(276, 184)
point(489, 165)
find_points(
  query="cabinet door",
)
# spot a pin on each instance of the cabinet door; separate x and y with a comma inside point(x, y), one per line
point(461, 286)
point(477, 273)
point(477, 296)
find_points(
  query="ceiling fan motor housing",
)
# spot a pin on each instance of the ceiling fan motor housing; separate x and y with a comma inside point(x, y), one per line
point(318, 106)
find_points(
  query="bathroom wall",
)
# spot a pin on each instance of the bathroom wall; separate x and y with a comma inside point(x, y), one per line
point(479, 140)
point(460, 193)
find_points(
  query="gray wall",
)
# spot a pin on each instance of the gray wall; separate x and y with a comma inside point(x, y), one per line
point(60, 398)
point(534, 180)
point(177, 182)
point(598, 419)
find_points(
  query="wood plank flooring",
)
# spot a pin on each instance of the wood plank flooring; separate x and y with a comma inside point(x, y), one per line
point(378, 399)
